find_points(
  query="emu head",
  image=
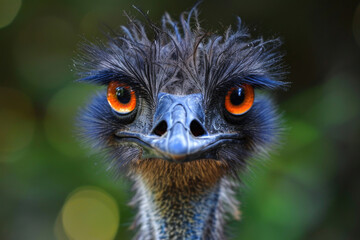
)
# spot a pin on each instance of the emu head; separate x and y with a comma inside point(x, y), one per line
point(183, 96)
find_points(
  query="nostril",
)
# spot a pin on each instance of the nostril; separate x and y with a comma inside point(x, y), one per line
point(196, 128)
point(161, 128)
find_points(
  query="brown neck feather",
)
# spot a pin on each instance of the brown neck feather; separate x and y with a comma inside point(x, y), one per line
point(182, 200)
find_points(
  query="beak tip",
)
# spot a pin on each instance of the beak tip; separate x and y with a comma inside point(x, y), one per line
point(178, 146)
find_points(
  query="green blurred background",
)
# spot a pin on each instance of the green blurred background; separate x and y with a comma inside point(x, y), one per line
point(51, 187)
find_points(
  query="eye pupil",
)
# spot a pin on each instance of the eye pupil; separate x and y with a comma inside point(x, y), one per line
point(239, 100)
point(237, 96)
point(123, 95)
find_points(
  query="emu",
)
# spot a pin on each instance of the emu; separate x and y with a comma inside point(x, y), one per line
point(181, 116)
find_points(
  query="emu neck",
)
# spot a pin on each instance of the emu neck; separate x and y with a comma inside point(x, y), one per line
point(180, 201)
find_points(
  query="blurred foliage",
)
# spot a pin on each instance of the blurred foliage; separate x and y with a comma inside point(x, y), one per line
point(310, 189)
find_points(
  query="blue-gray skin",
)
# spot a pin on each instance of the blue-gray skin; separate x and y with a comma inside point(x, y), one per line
point(182, 118)
point(180, 145)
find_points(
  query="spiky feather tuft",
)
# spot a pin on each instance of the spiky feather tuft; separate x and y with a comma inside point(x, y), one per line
point(181, 58)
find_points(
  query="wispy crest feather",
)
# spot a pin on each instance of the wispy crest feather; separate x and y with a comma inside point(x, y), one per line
point(183, 54)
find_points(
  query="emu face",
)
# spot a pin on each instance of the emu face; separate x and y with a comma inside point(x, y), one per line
point(179, 132)
point(181, 114)
point(184, 96)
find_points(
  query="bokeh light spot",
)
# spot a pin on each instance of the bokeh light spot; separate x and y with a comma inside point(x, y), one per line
point(90, 23)
point(61, 117)
point(17, 120)
point(43, 53)
point(8, 11)
point(301, 135)
point(90, 213)
point(339, 101)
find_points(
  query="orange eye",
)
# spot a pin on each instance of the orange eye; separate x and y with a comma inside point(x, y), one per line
point(121, 97)
point(239, 100)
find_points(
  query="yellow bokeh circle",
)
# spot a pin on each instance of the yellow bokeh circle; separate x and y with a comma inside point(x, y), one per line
point(90, 214)
point(8, 11)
